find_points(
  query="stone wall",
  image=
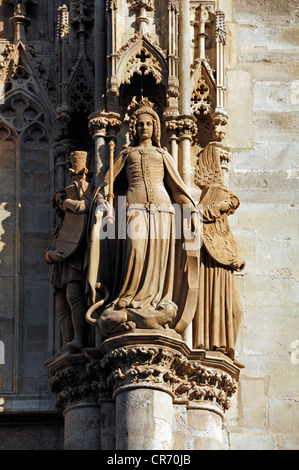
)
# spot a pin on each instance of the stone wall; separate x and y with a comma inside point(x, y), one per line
point(27, 325)
point(263, 104)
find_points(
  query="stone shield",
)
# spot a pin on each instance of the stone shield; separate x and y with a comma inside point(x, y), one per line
point(71, 233)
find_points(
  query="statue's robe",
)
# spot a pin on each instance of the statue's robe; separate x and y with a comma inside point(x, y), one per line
point(108, 260)
point(219, 311)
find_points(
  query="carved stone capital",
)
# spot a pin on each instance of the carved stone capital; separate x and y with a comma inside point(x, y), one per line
point(181, 125)
point(171, 125)
point(70, 380)
point(144, 360)
point(63, 115)
point(64, 148)
point(104, 124)
point(164, 364)
point(138, 4)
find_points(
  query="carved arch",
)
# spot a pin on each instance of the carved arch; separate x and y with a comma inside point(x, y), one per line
point(7, 131)
point(21, 81)
point(139, 57)
point(80, 88)
point(203, 97)
point(203, 101)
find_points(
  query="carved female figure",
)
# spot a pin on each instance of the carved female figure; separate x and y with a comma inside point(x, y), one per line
point(145, 274)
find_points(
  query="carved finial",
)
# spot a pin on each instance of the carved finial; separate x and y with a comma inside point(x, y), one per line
point(221, 32)
point(20, 21)
point(63, 23)
point(142, 6)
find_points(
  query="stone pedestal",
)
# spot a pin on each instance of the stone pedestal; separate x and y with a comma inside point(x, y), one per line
point(135, 391)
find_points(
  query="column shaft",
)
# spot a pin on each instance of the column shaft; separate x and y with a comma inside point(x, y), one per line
point(143, 420)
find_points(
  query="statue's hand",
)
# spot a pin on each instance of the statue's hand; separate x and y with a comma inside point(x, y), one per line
point(102, 205)
point(77, 207)
point(56, 256)
point(223, 206)
point(194, 222)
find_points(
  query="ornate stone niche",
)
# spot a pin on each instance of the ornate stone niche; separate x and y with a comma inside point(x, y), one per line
point(168, 59)
point(75, 77)
point(208, 72)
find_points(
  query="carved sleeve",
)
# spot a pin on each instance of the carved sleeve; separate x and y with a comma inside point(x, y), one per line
point(177, 195)
point(52, 244)
point(77, 207)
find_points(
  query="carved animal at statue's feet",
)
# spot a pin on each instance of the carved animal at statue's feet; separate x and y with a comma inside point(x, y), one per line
point(116, 320)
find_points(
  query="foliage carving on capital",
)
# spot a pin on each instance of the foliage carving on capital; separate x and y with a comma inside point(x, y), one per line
point(104, 125)
point(173, 5)
point(72, 385)
point(147, 4)
point(186, 380)
point(219, 123)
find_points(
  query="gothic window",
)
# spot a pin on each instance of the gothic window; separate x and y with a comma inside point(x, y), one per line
point(8, 224)
point(81, 96)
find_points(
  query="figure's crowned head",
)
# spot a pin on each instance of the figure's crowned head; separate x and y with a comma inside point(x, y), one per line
point(145, 107)
point(78, 161)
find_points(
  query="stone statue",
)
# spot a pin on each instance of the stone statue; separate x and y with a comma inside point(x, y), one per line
point(145, 278)
point(219, 312)
point(66, 253)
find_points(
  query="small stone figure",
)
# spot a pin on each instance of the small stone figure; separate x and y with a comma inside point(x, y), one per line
point(66, 253)
point(219, 312)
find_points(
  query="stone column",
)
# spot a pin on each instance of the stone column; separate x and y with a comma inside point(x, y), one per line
point(204, 427)
point(103, 127)
point(143, 418)
point(71, 384)
point(82, 425)
point(171, 127)
point(62, 152)
point(184, 91)
point(186, 129)
point(108, 425)
point(220, 116)
point(146, 373)
point(184, 56)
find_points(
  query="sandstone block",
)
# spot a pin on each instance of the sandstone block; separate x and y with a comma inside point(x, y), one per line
point(239, 128)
